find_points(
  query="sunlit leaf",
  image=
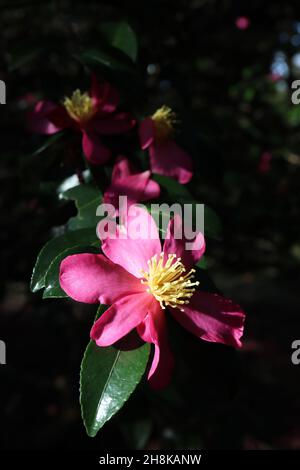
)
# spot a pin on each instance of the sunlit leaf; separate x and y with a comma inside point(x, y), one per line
point(108, 377)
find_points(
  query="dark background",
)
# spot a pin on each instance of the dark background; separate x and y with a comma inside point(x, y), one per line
point(232, 88)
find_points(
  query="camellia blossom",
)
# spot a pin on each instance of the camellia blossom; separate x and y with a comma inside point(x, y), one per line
point(166, 157)
point(143, 283)
point(92, 113)
point(136, 186)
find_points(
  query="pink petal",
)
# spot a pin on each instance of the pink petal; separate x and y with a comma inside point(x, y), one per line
point(93, 149)
point(170, 160)
point(122, 317)
point(93, 278)
point(135, 243)
point(136, 187)
point(153, 330)
point(189, 249)
point(38, 119)
point(61, 118)
point(113, 124)
point(146, 133)
point(212, 318)
point(147, 188)
point(132, 186)
point(121, 169)
point(152, 190)
point(105, 95)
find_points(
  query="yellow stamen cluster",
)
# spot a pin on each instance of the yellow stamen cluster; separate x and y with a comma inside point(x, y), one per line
point(167, 282)
point(80, 106)
point(164, 119)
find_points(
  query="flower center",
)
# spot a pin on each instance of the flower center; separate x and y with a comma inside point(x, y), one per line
point(80, 106)
point(164, 119)
point(167, 282)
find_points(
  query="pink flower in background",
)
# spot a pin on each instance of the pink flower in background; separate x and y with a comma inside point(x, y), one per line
point(143, 283)
point(136, 186)
point(92, 114)
point(242, 22)
point(264, 165)
point(166, 157)
point(274, 77)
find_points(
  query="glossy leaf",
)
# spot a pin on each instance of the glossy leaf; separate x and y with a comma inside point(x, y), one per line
point(72, 181)
point(54, 249)
point(52, 285)
point(87, 198)
point(121, 36)
point(107, 379)
point(171, 189)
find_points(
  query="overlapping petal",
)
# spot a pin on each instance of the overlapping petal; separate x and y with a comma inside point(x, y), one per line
point(122, 317)
point(213, 318)
point(113, 124)
point(93, 149)
point(183, 243)
point(169, 159)
point(91, 278)
point(135, 186)
point(146, 133)
point(135, 243)
point(153, 330)
point(106, 97)
point(38, 120)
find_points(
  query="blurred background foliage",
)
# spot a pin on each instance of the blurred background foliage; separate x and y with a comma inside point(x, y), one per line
point(230, 82)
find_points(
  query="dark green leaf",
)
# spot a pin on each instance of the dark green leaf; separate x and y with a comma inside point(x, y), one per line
point(202, 263)
point(48, 142)
point(121, 36)
point(54, 248)
point(212, 224)
point(52, 285)
point(107, 59)
point(172, 190)
point(87, 198)
point(107, 379)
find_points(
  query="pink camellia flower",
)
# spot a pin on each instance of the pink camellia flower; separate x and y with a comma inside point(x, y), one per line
point(144, 283)
point(166, 157)
point(264, 165)
point(136, 186)
point(242, 22)
point(92, 114)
